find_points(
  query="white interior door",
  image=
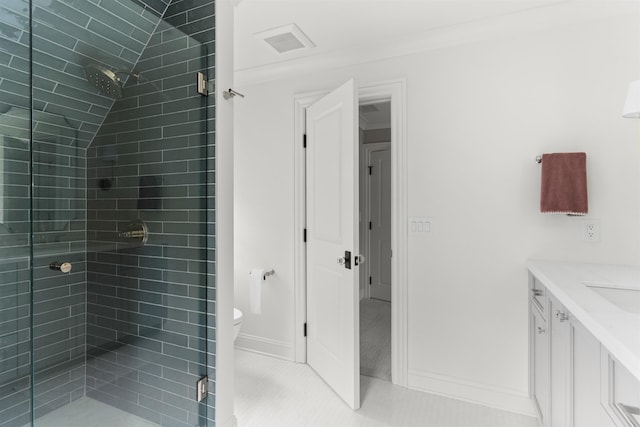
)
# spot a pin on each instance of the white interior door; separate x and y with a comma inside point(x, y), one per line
point(380, 223)
point(333, 346)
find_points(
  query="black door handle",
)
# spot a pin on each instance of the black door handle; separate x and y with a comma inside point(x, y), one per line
point(347, 260)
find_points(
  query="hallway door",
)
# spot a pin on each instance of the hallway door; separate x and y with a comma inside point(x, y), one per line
point(333, 346)
point(380, 222)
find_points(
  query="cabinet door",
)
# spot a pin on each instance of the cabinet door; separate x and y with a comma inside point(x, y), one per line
point(621, 392)
point(560, 379)
point(587, 410)
point(539, 365)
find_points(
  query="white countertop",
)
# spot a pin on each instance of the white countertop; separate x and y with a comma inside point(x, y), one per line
point(618, 330)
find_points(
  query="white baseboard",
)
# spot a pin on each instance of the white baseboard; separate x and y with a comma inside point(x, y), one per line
point(478, 393)
point(266, 346)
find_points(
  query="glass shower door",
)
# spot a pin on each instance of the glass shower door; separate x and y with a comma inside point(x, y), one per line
point(15, 290)
point(107, 156)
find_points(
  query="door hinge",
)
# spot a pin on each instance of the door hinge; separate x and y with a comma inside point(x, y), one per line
point(304, 141)
point(305, 329)
point(203, 84)
point(370, 169)
point(370, 280)
point(304, 235)
point(370, 225)
point(202, 389)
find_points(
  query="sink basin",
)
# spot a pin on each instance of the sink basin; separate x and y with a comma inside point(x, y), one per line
point(626, 297)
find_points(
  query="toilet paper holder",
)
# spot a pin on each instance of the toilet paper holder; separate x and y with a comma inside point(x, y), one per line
point(267, 273)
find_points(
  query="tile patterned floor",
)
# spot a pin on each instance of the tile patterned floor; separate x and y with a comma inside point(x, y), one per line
point(375, 339)
point(277, 393)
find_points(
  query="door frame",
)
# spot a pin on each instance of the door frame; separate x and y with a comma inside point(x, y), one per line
point(394, 91)
point(365, 185)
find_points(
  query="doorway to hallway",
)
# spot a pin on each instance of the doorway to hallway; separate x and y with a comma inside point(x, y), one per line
point(392, 92)
point(375, 238)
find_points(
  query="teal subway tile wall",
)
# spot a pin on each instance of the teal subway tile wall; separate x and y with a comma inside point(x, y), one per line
point(131, 325)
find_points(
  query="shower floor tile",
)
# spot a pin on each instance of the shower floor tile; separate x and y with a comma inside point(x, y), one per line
point(87, 412)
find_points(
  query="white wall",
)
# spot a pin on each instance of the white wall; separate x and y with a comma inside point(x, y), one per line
point(477, 116)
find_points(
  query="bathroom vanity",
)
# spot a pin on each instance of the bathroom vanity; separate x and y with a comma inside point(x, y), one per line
point(584, 344)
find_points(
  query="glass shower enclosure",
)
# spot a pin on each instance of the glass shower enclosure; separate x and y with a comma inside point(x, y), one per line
point(107, 213)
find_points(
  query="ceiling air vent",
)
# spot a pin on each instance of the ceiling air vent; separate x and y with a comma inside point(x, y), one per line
point(286, 38)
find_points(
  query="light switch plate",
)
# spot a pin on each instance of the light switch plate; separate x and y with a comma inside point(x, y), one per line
point(420, 226)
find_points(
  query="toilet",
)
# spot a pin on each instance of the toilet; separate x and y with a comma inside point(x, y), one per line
point(237, 321)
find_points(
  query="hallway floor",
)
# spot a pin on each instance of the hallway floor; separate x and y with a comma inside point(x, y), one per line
point(375, 339)
point(276, 393)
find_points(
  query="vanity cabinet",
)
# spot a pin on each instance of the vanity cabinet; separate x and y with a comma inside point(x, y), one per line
point(584, 337)
point(565, 369)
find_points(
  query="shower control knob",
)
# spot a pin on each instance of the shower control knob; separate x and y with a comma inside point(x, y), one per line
point(64, 267)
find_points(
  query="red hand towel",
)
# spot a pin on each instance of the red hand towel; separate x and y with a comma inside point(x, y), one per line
point(564, 184)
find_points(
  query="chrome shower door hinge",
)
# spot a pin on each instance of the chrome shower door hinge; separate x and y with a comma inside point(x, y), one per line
point(203, 84)
point(202, 389)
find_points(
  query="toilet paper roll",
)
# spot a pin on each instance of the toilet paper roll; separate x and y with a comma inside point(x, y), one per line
point(256, 277)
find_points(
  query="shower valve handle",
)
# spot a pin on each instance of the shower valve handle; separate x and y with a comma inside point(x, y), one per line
point(64, 267)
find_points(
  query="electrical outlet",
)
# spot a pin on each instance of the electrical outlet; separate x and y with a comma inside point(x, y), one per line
point(591, 230)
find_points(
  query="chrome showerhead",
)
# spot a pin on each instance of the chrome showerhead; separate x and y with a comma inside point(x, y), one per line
point(106, 80)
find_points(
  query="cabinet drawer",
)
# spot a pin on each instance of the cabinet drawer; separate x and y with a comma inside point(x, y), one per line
point(538, 295)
